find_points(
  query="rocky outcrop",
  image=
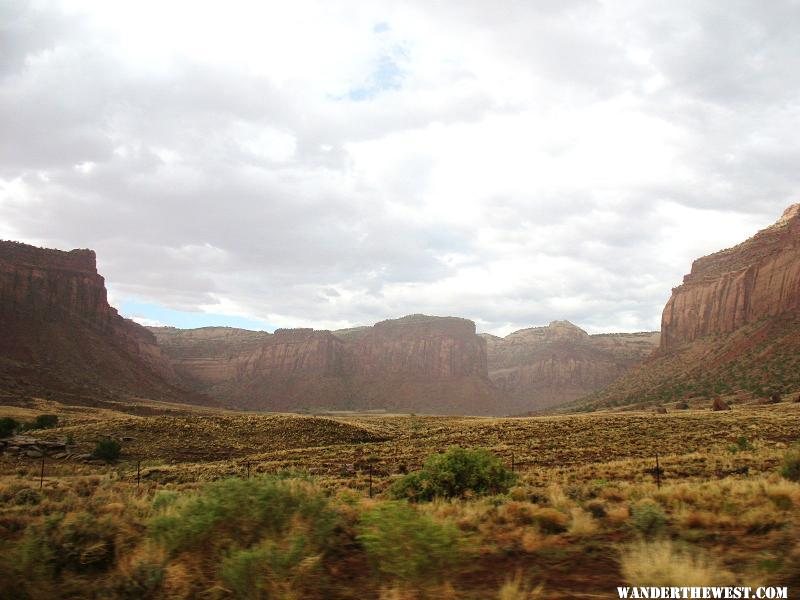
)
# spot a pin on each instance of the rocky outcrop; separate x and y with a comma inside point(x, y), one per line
point(758, 279)
point(413, 364)
point(731, 329)
point(541, 367)
point(719, 404)
point(60, 336)
point(430, 347)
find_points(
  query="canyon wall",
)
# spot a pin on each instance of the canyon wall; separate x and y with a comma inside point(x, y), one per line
point(731, 329)
point(60, 336)
point(754, 280)
point(413, 364)
point(541, 367)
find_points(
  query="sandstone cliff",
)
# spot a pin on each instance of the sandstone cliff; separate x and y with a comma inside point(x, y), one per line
point(541, 367)
point(732, 327)
point(60, 336)
point(757, 279)
point(414, 364)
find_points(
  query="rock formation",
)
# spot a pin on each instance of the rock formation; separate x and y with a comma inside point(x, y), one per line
point(541, 367)
point(758, 279)
point(61, 338)
point(732, 328)
point(413, 364)
point(719, 404)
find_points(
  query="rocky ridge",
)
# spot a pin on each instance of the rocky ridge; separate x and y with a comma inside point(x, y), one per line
point(542, 367)
point(416, 363)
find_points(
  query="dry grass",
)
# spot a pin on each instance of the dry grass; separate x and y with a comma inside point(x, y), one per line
point(517, 588)
point(581, 479)
point(662, 563)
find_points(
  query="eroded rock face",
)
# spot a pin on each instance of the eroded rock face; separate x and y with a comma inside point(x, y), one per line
point(540, 367)
point(60, 334)
point(731, 329)
point(757, 279)
point(417, 364)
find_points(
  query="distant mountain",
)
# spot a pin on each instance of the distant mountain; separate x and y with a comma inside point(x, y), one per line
point(417, 363)
point(541, 367)
point(60, 339)
point(731, 328)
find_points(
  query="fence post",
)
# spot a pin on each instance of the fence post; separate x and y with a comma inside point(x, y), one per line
point(512, 462)
point(658, 473)
point(41, 475)
point(138, 473)
point(370, 479)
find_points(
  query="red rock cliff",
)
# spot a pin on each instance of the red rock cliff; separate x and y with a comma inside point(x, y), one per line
point(541, 367)
point(60, 334)
point(417, 363)
point(430, 347)
point(759, 278)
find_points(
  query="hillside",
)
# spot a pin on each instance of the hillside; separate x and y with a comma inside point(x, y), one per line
point(540, 367)
point(732, 327)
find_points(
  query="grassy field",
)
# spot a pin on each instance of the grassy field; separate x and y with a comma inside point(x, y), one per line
point(586, 513)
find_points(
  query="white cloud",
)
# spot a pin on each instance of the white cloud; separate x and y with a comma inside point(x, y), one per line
point(333, 163)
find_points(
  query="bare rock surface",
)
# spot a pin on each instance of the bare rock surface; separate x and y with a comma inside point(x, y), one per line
point(61, 338)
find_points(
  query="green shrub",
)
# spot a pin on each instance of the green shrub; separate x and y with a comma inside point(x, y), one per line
point(7, 426)
point(143, 580)
point(78, 542)
point(27, 496)
point(268, 535)
point(107, 450)
point(456, 473)
point(44, 422)
point(270, 570)
point(648, 517)
point(791, 464)
point(164, 498)
point(741, 445)
point(242, 513)
point(404, 545)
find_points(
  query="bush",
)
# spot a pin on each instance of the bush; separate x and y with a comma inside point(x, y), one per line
point(648, 517)
point(550, 520)
point(407, 546)
point(78, 542)
point(7, 426)
point(270, 570)
point(741, 445)
point(791, 464)
point(107, 450)
point(268, 534)
point(242, 513)
point(44, 422)
point(456, 473)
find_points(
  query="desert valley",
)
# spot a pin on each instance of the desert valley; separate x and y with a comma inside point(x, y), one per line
point(411, 458)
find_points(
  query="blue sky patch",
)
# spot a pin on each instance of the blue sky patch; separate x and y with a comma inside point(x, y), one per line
point(133, 309)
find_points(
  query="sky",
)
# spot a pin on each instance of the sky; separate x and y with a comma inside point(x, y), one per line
point(334, 163)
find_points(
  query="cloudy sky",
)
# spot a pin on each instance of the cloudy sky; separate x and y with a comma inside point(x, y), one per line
point(325, 164)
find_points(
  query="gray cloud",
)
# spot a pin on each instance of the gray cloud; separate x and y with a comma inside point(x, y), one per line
point(515, 165)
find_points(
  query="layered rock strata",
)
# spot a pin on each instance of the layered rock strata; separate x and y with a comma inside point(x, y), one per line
point(413, 364)
point(541, 367)
point(61, 337)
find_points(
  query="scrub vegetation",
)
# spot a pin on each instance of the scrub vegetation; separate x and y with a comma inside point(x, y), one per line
point(581, 512)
